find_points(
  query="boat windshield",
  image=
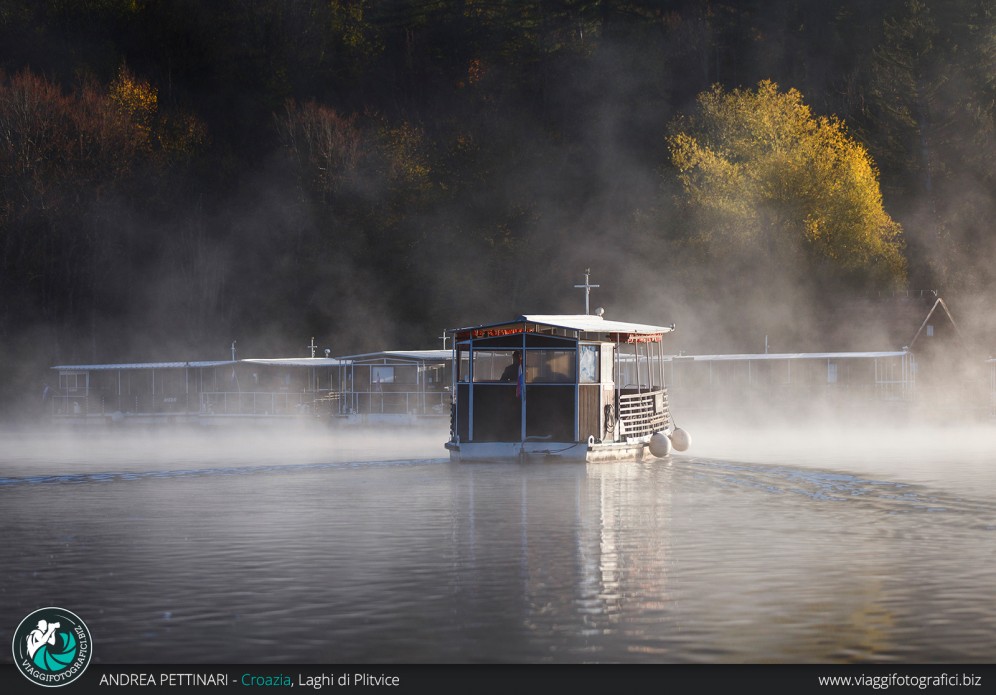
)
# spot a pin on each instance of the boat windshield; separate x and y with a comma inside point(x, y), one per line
point(542, 366)
point(495, 365)
point(550, 366)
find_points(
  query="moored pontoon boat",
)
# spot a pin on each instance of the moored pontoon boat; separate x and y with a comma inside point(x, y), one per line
point(561, 387)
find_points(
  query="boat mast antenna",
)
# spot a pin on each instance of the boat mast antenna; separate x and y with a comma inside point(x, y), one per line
point(313, 346)
point(444, 337)
point(587, 290)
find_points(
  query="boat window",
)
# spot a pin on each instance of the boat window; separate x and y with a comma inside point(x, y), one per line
point(382, 375)
point(588, 364)
point(550, 366)
point(639, 366)
point(627, 375)
point(463, 365)
point(490, 365)
point(406, 374)
point(70, 381)
point(655, 358)
point(434, 373)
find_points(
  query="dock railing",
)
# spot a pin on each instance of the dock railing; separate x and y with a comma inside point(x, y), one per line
point(418, 403)
point(257, 403)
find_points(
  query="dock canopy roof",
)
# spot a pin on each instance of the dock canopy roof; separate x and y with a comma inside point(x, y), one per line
point(588, 326)
point(788, 356)
point(143, 365)
point(297, 361)
point(412, 355)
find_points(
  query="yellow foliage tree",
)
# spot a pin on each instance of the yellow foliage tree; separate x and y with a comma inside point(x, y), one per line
point(404, 146)
point(137, 99)
point(762, 173)
point(176, 135)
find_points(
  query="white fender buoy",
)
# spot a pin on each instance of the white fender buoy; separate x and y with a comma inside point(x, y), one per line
point(660, 445)
point(681, 439)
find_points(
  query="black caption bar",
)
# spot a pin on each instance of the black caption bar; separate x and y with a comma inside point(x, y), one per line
point(512, 679)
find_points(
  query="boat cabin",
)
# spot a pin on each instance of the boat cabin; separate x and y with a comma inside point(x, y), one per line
point(568, 386)
point(396, 387)
point(196, 391)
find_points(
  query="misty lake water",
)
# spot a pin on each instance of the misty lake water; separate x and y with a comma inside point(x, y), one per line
point(324, 546)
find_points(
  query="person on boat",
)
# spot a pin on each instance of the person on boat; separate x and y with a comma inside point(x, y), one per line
point(511, 372)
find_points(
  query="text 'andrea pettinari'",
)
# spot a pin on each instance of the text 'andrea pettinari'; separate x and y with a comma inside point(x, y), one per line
point(315, 681)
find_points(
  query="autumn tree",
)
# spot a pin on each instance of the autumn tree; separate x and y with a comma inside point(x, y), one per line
point(766, 180)
point(58, 154)
point(71, 165)
point(326, 147)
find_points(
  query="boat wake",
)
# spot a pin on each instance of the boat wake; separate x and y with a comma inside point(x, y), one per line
point(119, 476)
point(837, 487)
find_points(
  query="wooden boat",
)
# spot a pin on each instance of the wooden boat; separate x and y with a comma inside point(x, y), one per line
point(561, 387)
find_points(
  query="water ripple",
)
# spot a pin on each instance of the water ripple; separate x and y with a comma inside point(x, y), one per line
point(111, 476)
point(890, 496)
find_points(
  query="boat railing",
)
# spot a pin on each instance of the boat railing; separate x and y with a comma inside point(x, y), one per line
point(644, 412)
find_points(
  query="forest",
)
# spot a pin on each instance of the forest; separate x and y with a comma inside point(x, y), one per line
point(176, 175)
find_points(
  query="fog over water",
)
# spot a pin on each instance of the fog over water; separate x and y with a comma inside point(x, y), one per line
point(956, 457)
point(68, 450)
point(327, 546)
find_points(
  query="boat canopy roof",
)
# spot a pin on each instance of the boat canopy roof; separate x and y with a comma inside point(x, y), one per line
point(587, 326)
